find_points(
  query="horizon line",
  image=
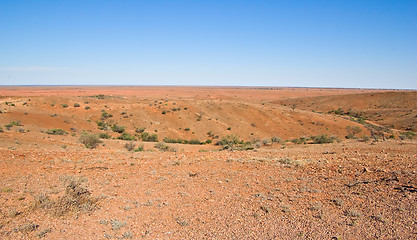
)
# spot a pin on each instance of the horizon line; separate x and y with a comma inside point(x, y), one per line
point(202, 86)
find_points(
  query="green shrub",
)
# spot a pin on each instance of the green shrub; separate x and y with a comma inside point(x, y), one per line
point(140, 148)
point(105, 115)
point(195, 142)
point(87, 107)
point(90, 140)
point(320, 139)
point(102, 125)
point(172, 140)
point(56, 131)
point(117, 128)
point(64, 105)
point(187, 129)
point(76, 105)
point(232, 142)
point(140, 130)
point(13, 123)
point(146, 137)
point(126, 136)
point(104, 136)
point(300, 140)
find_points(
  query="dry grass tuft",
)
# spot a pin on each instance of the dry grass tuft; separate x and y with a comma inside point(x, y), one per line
point(76, 198)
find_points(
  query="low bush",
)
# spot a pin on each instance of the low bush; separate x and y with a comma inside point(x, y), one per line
point(183, 141)
point(301, 140)
point(352, 131)
point(76, 198)
point(321, 139)
point(102, 125)
point(90, 140)
point(105, 115)
point(164, 148)
point(126, 136)
point(117, 128)
point(146, 137)
point(410, 135)
point(232, 142)
point(13, 123)
point(276, 140)
point(76, 105)
point(104, 136)
point(130, 146)
point(56, 131)
point(140, 148)
point(140, 130)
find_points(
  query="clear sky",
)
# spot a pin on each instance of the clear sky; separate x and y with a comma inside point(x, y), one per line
point(334, 43)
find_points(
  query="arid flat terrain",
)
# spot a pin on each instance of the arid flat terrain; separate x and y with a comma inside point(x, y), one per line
point(92, 162)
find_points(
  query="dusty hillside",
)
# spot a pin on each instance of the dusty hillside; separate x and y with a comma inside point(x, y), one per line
point(396, 109)
point(169, 115)
point(53, 187)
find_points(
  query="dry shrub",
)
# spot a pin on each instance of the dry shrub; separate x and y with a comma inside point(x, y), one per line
point(76, 198)
point(90, 140)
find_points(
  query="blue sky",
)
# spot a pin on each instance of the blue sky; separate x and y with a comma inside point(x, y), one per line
point(356, 44)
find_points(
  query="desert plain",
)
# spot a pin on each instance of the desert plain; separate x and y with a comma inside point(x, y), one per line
point(168, 162)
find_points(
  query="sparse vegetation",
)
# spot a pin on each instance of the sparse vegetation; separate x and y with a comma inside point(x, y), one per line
point(146, 137)
point(130, 146)
point(104, 136)
point(56, 131)
point(116, 224)
point(102, 125)
point(276, 140)
point(27, 227)
point(410, 135)
point(13, 123)
point(105, 115)
point(140, 148)
point(126, 136)
point(352, 131)
point(140, 130)
point(117, 128)
point(164, 148)
point(232, 142)
point(77, 198)
point(321, 139)
point(90, 140)
point(64, 105)
point(183, 141)
point(76, 105)
point(301, 140)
